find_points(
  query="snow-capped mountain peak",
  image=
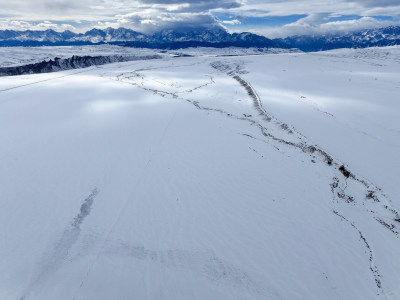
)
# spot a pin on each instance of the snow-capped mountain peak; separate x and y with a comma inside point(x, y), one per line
point(215, 35)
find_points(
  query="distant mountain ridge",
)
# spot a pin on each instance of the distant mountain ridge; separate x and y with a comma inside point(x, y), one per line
point(380, 37)
point(163, 39)
point(214, 37)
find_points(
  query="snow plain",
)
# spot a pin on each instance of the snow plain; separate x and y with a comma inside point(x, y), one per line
point(16, 56)
point(209, 177)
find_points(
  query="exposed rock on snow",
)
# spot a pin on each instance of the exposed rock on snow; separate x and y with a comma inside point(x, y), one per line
point(75, 62)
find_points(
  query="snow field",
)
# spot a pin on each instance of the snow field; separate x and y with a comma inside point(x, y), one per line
point(193, 178)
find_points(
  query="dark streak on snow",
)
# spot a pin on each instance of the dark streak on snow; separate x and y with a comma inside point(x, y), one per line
point(74, 62)
point(373, 267)
point(302, 144)
point(86, 207)
point(53, 261)
point(206, 264)
point(391, 227)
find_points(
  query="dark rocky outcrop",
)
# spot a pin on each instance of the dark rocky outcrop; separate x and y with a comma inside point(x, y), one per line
point(75, 62)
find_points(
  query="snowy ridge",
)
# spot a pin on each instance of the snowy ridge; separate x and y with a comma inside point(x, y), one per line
point(75, 62)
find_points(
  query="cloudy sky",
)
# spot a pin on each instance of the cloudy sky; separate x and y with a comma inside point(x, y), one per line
point(272, 18)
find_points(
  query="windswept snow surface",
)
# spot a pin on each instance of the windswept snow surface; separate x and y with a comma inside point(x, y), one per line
point(243, 177)
point(17, 56)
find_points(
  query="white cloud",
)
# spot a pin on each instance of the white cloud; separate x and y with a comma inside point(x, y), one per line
point(305, 26)
point(141, 15)
point(151, 20)
point(232, 22)
point(151, 15)
point(24, 25)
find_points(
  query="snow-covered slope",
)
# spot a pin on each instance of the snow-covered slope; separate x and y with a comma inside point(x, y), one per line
point(18, 56)
point(248, 177)
point(74, 62)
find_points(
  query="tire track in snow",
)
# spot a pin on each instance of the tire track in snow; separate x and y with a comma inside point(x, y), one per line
point(301, 143)
point(373, 267)
point(53, 261)
point(135, 74)
point(200, 86)
point(206, 264)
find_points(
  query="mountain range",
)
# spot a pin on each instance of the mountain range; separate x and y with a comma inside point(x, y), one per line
point(215, 37)
point(379, 37)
